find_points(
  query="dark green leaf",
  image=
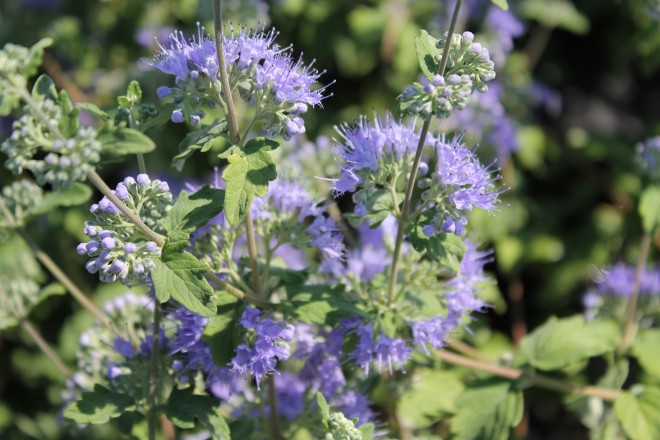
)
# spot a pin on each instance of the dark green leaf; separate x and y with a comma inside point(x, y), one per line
point(44, 88)
point(425, 46)
point(319, 304)
point(446, 249)
point(247, 177)
point(561, 342)
point(432, 394)
point(99, 406)
point(649, 208)
point(487, 410)
point(223, 332)
point(184, 407)
point(199, 140)
point(639, 414)
point(122, 141)
point(190, 213)
point(180, 275)
point(74, 195)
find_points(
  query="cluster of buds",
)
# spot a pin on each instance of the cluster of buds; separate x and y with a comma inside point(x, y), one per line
point(19, 198)
point(468, 68)
point(116, 251)
point(37, 146)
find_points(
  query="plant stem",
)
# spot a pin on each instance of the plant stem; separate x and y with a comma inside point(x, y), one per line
point(275, 428)
point(235, 135)
point(152, 408)
point(98, 182)
point(630, 327)
point(222, 68)
point(47, 350)
point(141, 165)
point(252, 252)
point(463, 348)
point(403, 219)
point(534, 379)
point(69, 285)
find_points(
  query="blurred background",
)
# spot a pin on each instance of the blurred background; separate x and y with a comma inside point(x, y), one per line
point(578, 87)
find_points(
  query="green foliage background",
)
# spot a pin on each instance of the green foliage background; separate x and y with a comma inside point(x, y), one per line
point(573, 185)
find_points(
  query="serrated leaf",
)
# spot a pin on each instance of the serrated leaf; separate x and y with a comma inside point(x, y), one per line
point(75, 195)
point(502, 4)
point(425, 46)
point(561, 342)
point(487, 410)
point(184, 408)
point(122, 141)
point(180, 275)
point(99, 406)
point(646, 350)
point(649, 208)
point(190, 213)
point(639, 414)
point(324, 409)
point(222, 332)
point(432, 394)
point(93, 110)
point(319, 304)
point(247, 177)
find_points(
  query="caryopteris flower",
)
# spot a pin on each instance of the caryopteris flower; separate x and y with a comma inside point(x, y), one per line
point(270, 344)
point(116, 250)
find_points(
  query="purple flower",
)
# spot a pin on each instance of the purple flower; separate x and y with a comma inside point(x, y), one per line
point(290, 391)
point(620, 278)
point(124, 347)
point(250, 317)
point(182, 56)
point(390, 352)
point(354, 405)
point(468, 183)
point(429, 331)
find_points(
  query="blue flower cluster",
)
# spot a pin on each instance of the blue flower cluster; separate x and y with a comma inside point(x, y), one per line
point(265, 74)
point(116, 250)
point(270, 345)
point(648, 156)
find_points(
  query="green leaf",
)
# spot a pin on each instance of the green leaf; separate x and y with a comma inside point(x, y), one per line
point(199, 140)
point(69, 120)
point(184, 407)
point(425, 46)
point(35, 56)
point(639, 414)
point(133, 95)
point(77, 194)
point(99, 406)
point(446, 249)
point(247, 177)
point(487, 410)
point(222, 333)
point(122, 141)
point(319, 304)
point(180, 275)
point(555, 13)
point(324, 409)
point(367, 431)
point(646, 350)
point(432, 394)
point(443, 248)
point(561, 342)
point(502, 4)
point(649, 208)
point(93, 110)
point(44, 88)
point(190, 213)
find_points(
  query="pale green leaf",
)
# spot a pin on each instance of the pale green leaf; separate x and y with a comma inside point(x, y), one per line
point(191, 212)
point(647, 350)
point(432, 394)
point(425, 46)
point(76, 194)
point(561, 342)
point(502, 4)
point(639, 414)
point(649, 208)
